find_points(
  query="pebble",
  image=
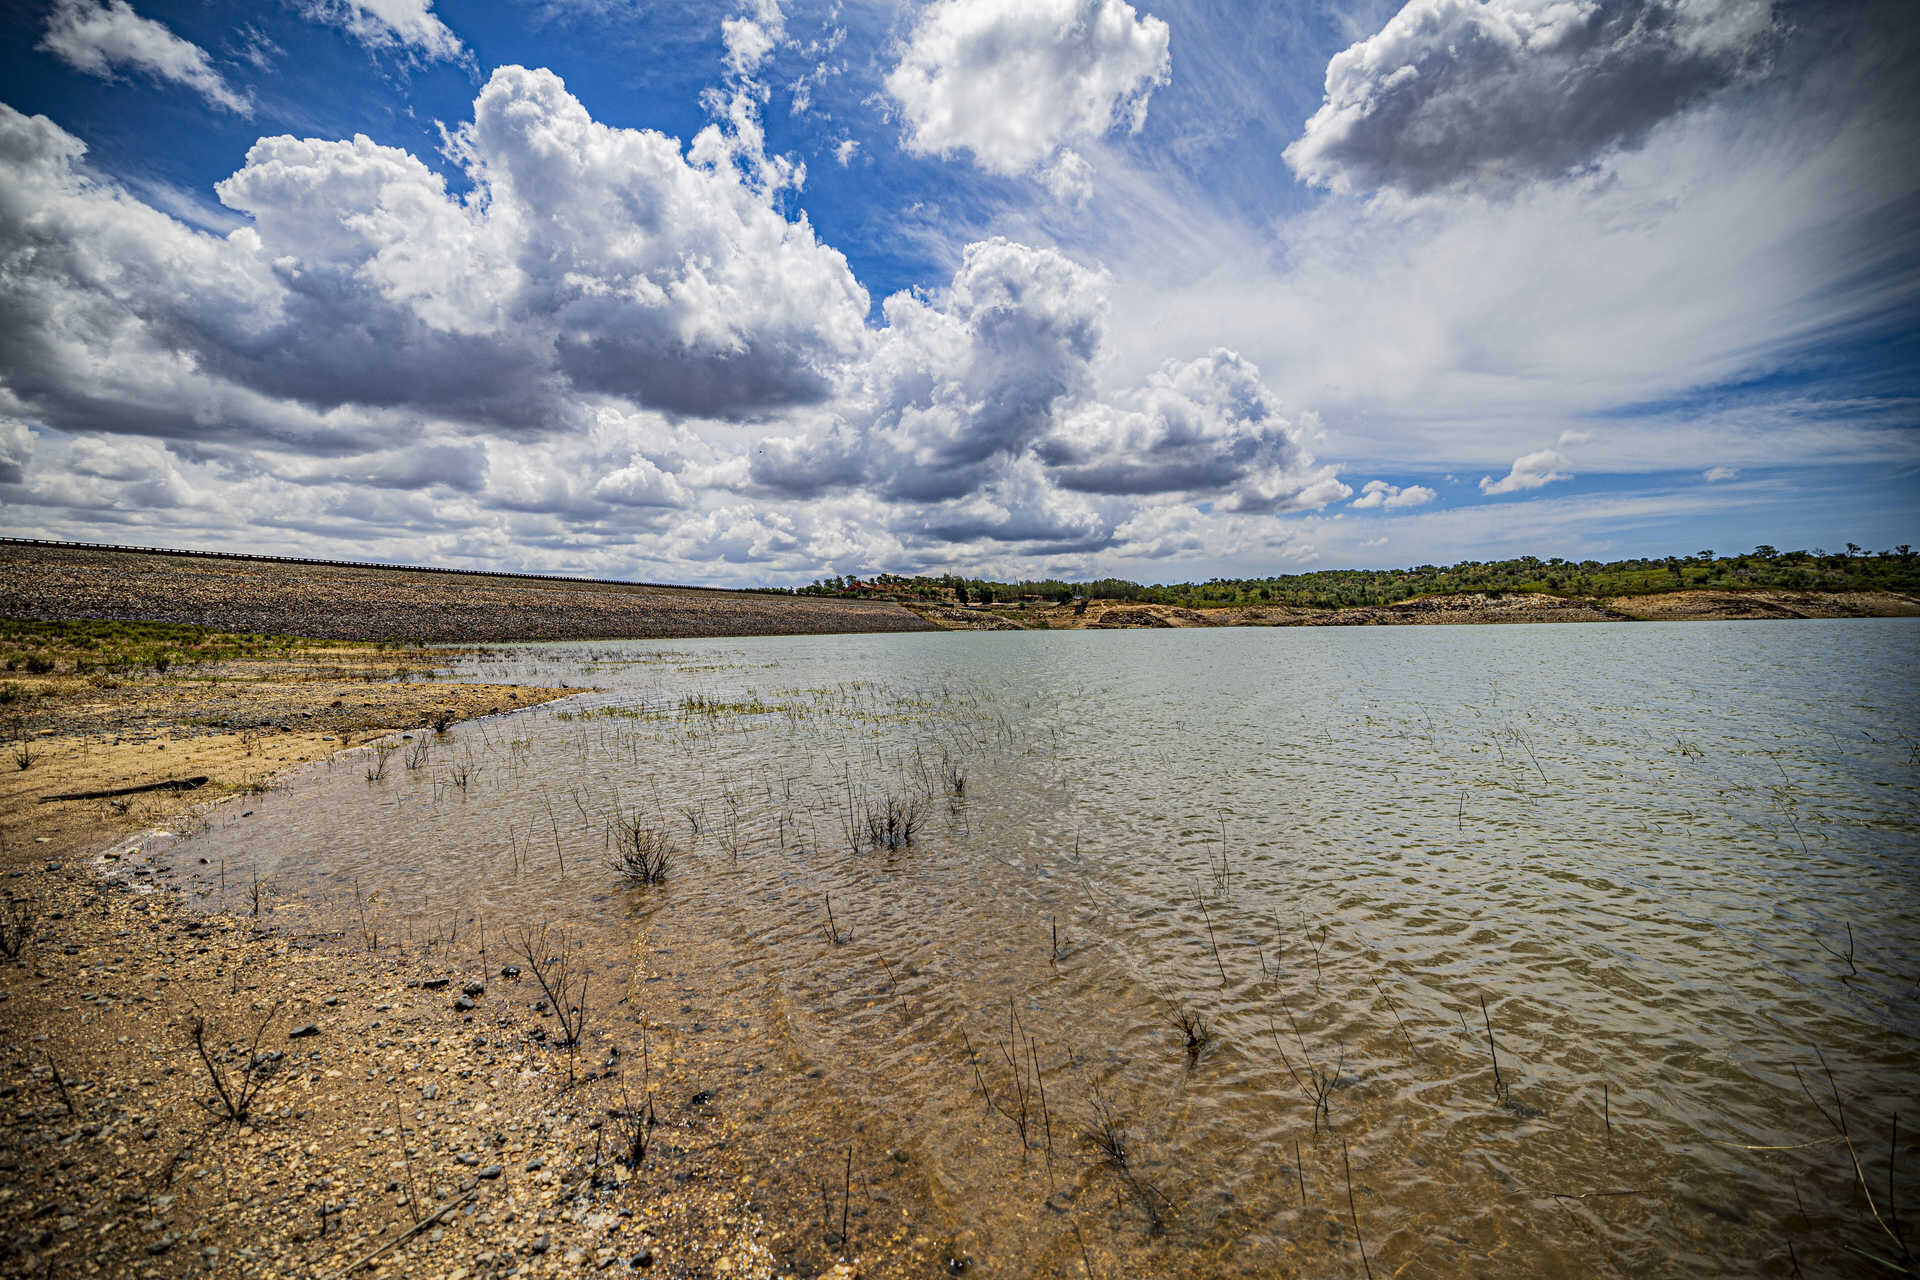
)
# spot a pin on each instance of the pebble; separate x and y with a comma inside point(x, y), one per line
point(489, 1173)
point(303, 1031)
point(475, 989)
point(462, 1003)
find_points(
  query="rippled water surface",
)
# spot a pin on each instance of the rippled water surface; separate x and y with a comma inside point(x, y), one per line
point(1653, 870)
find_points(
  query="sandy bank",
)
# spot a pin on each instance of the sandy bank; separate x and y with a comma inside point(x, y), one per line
point(1702, 606)
point(1462, 608)
point(414, 1093)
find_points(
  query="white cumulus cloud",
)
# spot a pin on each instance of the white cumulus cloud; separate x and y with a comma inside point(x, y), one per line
point(588, 261)
point(979, 405)
point(16, 450)
point(1380, 494)
point(1528, 472)
point(1204, 426)
point(954, 385)
point(1014, 81)
point(750, 37)
point(98, 38)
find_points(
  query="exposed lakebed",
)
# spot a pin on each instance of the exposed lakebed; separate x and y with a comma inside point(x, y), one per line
point(1676, 861)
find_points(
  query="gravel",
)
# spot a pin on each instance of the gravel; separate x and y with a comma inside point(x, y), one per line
point(341, 603)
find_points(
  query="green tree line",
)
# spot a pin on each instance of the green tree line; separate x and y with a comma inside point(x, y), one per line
point(1853, 569)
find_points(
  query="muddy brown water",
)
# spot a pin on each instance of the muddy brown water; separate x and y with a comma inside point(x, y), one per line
point(1677, 862)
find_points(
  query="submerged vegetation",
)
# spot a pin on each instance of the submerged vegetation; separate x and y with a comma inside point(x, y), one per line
point(1173, 993)
point(1853, 569)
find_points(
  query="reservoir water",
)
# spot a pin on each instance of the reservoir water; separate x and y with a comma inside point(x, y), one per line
point(1491, 951)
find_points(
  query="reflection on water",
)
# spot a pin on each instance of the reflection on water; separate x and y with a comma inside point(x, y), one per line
point(1258, 907)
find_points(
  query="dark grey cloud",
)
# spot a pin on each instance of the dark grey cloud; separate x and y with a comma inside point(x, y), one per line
point(809, 466)
point(1472, 91)
point(1205, 426)
point(460, 467)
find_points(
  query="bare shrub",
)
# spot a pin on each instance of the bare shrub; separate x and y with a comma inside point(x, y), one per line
point(550, 957)
point(642, 853)
point(16, 928)
point(892, 823)
point(237, 1088)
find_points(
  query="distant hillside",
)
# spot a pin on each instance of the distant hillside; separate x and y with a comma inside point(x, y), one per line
point(1854, 570)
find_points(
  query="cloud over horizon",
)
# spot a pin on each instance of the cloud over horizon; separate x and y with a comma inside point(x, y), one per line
point(757, 292)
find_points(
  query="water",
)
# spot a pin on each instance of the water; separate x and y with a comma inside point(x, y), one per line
point(1676, 862)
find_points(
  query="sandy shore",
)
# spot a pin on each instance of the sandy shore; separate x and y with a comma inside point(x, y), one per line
point(412, 1097)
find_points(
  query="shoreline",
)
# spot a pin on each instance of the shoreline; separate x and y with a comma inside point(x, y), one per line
point(1479, 608)
point(349, 603)
point(417, 1080)
point(414, 1092)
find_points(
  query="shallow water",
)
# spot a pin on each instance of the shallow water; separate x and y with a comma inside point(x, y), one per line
point(1642, 845)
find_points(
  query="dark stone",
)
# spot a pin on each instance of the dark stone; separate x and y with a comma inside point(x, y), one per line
point(462, 1003)
point(491, 1172)
point(434, 984)
point(303, 1031)
point(540, 1245)
point(475, 989)
point(510, 971)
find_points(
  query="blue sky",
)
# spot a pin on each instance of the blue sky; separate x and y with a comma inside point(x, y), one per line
point(752, 292)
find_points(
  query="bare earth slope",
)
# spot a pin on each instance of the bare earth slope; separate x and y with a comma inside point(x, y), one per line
point(1477, 607)
point(348, 603)
point(1687, 606)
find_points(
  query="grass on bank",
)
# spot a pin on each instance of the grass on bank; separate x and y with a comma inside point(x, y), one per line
point(34, 647)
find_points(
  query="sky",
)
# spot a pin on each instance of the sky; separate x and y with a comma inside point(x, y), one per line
point(749, 293)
